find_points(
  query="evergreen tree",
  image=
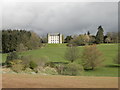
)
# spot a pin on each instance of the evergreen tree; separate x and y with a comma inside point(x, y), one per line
point(14, 39)
point(99, 35)
point(88, 33)
point(68, 38)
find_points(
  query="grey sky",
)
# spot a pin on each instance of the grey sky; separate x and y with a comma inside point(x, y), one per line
point(66, 18)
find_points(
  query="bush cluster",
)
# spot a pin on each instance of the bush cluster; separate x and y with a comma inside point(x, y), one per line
point(73, 69)
point(27, 63)
point(91, 58)
point(17, 68)
point(33, 65)
point(10, 57)
point(49, 70)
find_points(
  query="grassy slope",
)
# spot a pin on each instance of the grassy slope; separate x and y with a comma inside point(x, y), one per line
point(55, 52)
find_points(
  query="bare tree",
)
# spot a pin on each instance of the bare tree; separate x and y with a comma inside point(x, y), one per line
point(117, 58)
point(91, 57)
point(72, 53)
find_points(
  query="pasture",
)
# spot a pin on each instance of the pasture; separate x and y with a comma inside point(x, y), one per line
point(55, 53)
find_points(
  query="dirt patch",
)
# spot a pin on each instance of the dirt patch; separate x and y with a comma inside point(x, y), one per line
point(40, 81)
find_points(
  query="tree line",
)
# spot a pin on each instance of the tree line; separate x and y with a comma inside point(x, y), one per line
point(87, 38)
point(22, 40)
point(19, 40)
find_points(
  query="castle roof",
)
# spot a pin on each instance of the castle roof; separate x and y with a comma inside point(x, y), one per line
point(54, 34)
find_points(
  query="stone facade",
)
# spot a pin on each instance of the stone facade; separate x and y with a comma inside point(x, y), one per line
point(54, 38)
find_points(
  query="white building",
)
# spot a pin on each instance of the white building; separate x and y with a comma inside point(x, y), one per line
point(54, 38)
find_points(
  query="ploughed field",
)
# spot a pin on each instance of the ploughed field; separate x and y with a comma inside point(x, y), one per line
point(40, 81)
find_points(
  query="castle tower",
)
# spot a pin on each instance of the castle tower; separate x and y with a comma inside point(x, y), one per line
point(60, 38)
point(48, 38)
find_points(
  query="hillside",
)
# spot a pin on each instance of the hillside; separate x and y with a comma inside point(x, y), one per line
point(55, 53)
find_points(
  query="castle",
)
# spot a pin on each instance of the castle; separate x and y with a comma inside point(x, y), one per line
point(54, 38)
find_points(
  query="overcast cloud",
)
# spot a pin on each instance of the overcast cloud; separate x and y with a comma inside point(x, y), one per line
point(66, 18)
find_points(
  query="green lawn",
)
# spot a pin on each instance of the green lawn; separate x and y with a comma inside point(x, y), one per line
point(55, 53)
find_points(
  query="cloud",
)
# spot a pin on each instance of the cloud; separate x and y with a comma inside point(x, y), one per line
point(67, 18)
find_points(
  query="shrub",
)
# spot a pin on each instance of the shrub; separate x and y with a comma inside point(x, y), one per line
point(50, 64)
point(14, 62)
point(32, 65)
point(17, 67)
point(73, 69)
point(60, 68)
point(26, 60)
point(49, 70)
point(10, 57)
point(91, 57)
point(41, 62)
point(28, 70)
point(30, 62)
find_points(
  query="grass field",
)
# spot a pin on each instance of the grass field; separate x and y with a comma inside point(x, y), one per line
point(55, 53)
